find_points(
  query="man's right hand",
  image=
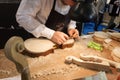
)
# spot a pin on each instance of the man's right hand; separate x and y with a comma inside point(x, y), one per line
point(59, 37)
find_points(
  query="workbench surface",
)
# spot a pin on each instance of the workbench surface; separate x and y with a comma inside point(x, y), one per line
point(53, 66)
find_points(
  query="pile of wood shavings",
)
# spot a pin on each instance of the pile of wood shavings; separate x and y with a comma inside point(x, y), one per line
point(63, 70)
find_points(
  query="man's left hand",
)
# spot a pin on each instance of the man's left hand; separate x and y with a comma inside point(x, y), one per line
point(74, 33)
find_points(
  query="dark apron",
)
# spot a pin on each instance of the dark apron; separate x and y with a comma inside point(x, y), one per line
point(57, 21)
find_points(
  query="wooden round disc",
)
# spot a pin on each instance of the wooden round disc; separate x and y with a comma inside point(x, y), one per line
point(38, 45)
point(115, 36)
point(115, 58)
point(116, 51)
point(100, 36)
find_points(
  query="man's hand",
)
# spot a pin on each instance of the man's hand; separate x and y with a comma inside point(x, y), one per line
point(74, 33)
point(59, 37)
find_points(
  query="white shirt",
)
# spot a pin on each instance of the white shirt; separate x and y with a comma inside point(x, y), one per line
point(33, 14)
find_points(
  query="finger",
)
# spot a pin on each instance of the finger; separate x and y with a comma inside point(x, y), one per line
point(59, 43)
point(75, 35)
point(66, 37)
point(62, 40)
point(71, 34)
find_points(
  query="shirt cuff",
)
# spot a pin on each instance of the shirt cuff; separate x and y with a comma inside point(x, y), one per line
point(43, 32)
point(47, 33)
point(72, 25)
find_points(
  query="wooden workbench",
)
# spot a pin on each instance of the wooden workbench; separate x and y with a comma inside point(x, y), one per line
point(53, 66)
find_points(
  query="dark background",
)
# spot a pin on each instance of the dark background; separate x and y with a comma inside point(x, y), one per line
point(9, 1)
point(8, 25)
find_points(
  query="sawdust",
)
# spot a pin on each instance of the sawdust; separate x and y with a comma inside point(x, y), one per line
point(7, 68)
